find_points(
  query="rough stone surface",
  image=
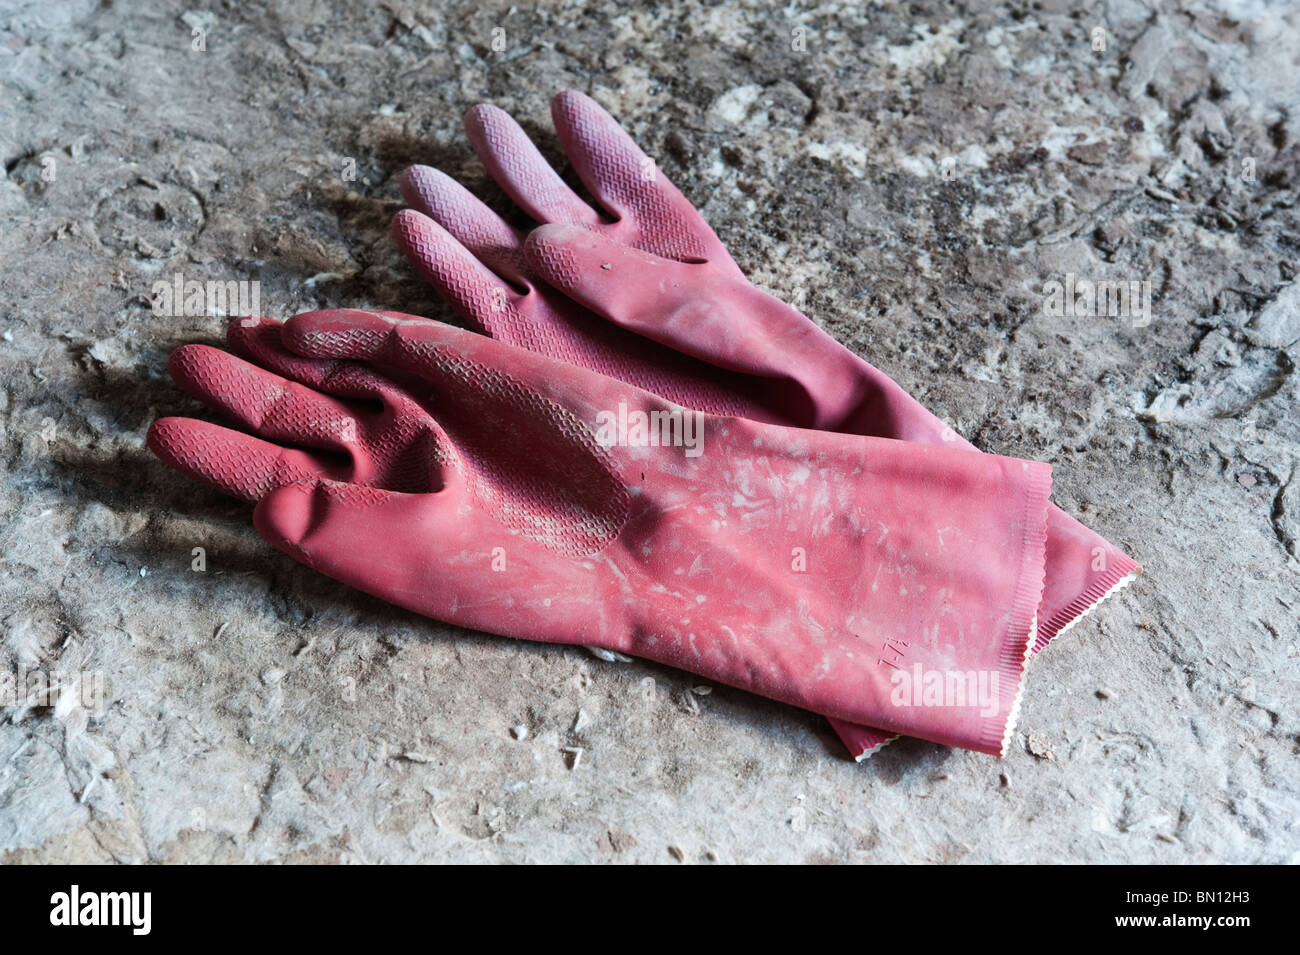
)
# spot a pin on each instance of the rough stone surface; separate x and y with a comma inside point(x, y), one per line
point(912, 177)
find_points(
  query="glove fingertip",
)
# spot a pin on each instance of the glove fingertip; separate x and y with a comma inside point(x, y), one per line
point(162, 436)
point(171, 440)
point(406, 224)
point(336, 333)
point(480, 111)
point(572, 101)
point(251, 334)
point(412, 182)
point(418, 236)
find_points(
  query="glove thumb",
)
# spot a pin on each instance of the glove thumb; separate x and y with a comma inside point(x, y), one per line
point(698, 311)
point(358, 535)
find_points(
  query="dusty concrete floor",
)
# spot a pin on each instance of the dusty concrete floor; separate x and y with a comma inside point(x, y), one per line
point(255, 711)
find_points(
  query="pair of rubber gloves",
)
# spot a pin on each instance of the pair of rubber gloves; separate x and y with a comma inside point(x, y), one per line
point(645, 453)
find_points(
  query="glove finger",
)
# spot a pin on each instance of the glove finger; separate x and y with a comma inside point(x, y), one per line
point(654, 297)
point(774, 353)
point(522, 426)
point(521, 171)
point(466, 369)
point(653, 214)
point(257, 340)
point(522, 420)
point(469, 286)
point(492, 240)
point(233, 462)
point(272, 407)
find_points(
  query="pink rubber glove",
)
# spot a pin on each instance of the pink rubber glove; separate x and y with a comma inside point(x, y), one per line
point(780, 366)
point(477, 489)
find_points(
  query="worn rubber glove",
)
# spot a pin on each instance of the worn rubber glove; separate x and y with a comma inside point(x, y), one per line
point(687, 294)
point(495, 488)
